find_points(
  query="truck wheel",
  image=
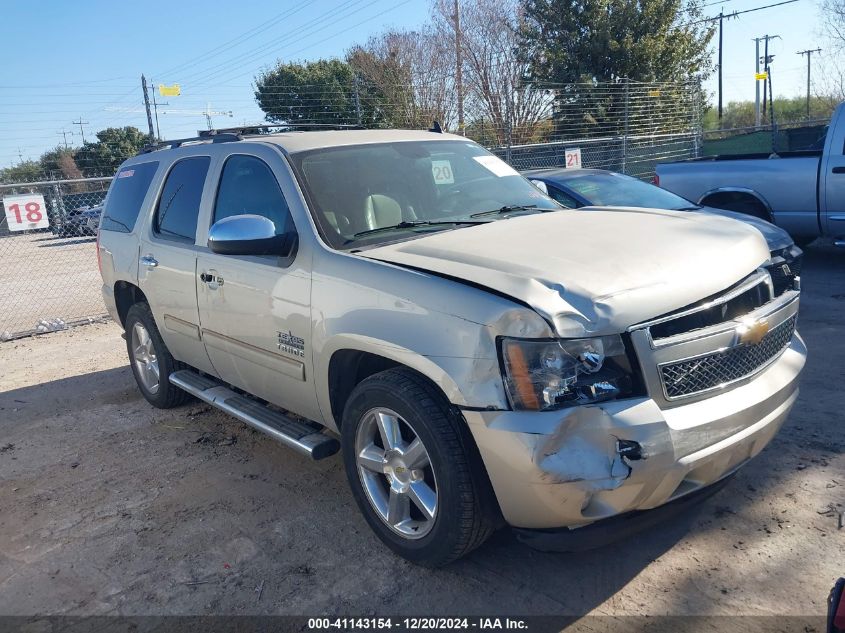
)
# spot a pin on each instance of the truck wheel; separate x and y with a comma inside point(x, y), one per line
point(150, 360)
point(414, 470)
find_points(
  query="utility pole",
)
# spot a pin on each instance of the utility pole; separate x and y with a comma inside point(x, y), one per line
point(721, 19)
point(147, 106)
point(155, 108)
point(809, 54)
point(80, 123)
point(766, 59)
point(357, 98)
point(64, 134)
point(459, 83)
point(757, 81)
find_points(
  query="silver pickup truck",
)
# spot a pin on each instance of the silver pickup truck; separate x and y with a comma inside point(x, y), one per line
point(484, 355)
point(801, 191)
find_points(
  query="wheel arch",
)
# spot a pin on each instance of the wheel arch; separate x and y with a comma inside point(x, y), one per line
point(741, 195)
point(126, 295)
point(351, 362)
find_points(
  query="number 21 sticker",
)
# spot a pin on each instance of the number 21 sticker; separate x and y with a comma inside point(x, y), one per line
point(25, 212)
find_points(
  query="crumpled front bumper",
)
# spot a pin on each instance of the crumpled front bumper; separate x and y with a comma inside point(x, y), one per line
point(564, 468)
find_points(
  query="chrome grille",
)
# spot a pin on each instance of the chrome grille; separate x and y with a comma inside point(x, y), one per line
point(696, 375)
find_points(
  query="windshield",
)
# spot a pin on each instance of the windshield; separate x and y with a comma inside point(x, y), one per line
point(369, 194)
point(616, 190)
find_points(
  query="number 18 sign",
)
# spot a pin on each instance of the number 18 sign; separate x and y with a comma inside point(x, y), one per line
point(26, 212)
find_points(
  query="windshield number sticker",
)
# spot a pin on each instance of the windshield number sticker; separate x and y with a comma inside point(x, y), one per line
point(495, 165)
point(442, 172)
point(573, 158)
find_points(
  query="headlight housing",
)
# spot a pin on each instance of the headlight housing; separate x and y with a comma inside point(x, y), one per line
point(542, 375)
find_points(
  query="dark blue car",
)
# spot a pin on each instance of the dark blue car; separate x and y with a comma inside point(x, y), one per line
point(576, 188)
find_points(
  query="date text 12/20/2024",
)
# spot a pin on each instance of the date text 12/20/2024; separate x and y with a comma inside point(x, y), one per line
point(417, 623)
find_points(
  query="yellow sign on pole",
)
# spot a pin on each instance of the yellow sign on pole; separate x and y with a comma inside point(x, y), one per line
point(761, 76)
point(169, 91)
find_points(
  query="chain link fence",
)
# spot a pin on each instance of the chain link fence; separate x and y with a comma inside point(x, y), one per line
point(48, 262)
point(48, 270)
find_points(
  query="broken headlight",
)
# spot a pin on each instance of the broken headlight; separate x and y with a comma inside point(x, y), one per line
point(541, 375)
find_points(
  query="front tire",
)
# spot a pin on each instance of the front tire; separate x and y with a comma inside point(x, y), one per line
point(150, 359)
point(414, 470)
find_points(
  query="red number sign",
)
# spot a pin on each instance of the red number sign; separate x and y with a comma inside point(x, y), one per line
point(25, 212)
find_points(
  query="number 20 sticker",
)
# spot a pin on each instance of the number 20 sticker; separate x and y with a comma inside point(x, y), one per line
point(25, 212)
point(442, 172)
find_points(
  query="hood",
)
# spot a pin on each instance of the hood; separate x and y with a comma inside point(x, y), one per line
point(776, 237)
point(597, 271)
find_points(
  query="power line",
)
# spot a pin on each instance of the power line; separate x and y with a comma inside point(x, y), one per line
point(737, 13)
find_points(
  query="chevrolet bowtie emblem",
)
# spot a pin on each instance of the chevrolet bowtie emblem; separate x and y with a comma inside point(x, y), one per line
point(752, 332)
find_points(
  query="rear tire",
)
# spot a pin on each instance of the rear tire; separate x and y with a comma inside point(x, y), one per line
point(414, 469)
point(150, 360)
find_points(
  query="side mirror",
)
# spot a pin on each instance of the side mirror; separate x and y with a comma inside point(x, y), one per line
point(249, 235)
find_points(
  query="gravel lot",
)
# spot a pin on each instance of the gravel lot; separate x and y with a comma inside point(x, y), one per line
point(112, 507)
point(46, 277)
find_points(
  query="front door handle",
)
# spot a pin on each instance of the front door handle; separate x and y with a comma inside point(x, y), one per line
point(838, 170)
point(211, 279)
point(149, 261)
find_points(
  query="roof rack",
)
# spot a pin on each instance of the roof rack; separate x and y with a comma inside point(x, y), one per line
point(216, 136)
point(230, 134)
point(249, 129)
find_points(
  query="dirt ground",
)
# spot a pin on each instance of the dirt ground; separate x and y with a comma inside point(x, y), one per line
point(108, 506)
point(44, 277)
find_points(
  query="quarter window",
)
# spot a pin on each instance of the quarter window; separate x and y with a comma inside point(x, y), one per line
point(247, 186)
point(179, 205)
point(126, 195)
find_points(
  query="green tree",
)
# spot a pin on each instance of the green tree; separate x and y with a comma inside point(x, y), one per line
point(60, 163)
point(26, 171)
point(321, 92)
point(788, 110)
point(584, 47)
point(113, 146)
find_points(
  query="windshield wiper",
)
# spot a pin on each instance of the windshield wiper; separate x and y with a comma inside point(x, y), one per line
point(694, 208)
point(409, 224)
point(508, 208)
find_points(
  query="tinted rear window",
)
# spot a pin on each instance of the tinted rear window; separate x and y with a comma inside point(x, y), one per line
point(179, 205)
point(126, 196)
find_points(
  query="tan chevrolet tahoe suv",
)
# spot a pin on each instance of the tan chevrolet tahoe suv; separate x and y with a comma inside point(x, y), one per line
point(484, 356)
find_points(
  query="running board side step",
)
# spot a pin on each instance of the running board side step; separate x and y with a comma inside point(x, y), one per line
point(304, 437)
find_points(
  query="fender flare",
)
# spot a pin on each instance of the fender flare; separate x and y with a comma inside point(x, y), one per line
point(436, 372)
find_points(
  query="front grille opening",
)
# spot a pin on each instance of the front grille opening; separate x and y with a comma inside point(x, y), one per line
point(783, 271)
point(734, 308)
point(697, 375)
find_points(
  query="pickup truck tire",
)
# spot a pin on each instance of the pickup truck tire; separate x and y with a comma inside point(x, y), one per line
point(150, 359)
point(433, 463)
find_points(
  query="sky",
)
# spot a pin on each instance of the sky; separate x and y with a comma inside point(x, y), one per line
point(82, 61)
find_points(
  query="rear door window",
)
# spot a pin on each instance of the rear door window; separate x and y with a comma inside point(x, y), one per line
point(126, 195)
point(179, 204)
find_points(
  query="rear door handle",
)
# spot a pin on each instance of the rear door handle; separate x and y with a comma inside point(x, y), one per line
point(838, 170)
point(149, 261)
